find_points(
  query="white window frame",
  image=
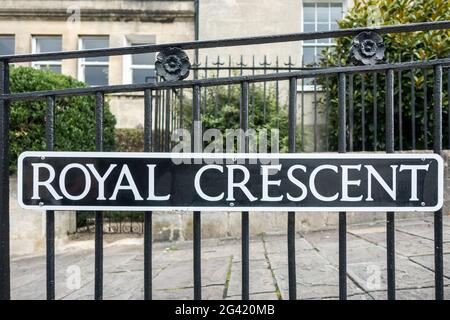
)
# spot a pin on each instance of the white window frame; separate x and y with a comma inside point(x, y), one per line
point(82, 61)
point(34, 49)
point(311, 87)
point(128, 67)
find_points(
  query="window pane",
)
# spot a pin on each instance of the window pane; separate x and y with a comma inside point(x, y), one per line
point(48, 44)
point(309, 12)
point(336, 11)
point(96, 75)
point(143, 75)
point(309, 28)
point(95, 43)
point(7, 45)
point(53, 68)
point(322, 12)
point(323, 27)
point(143, 58)
point(308, 55)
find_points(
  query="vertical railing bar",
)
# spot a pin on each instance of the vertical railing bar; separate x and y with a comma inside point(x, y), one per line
point(216, 106)
point(229, 85)
point(157, 112)
point(181, 108)
point(291, 215)
point(265, 64)
point(148, 114)
point(253, 90)
point(315, 113)
point(302, 125)
point(167, 118)
point(438, 224)
point(196, 143)
point(363, 113)
point(277, 94)
point(173, 109)
point(413, 111)
point(5, 274)
point(400, 112)
point(351, 116)
point(99, 109)
point(342, 215)
point(327, 113)
point(375, 112)
point(162, 120)
point(245, 215)
point(50, 215)
point(205, 93)
point(448, 109)
point(425, 108)
point(390, 217)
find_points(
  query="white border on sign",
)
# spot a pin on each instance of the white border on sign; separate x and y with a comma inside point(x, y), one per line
point(168, 155)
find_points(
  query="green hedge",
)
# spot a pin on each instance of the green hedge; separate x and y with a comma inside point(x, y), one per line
point(74, 116)
point(399, 47)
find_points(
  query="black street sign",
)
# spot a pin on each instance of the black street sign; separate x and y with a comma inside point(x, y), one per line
point(230, 182)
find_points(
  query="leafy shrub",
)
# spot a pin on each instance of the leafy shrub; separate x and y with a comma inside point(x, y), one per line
point(74, 116)
point(130, 140)
point(399, 47)
point(222, 111)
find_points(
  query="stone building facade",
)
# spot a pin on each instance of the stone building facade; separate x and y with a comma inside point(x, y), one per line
point(34, 26)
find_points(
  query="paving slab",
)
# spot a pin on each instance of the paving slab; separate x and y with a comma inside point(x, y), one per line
point(316, 254)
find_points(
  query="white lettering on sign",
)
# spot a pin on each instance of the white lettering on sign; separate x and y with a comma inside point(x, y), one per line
point(414, 170)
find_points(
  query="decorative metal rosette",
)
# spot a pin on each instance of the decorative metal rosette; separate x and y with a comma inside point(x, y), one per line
point(172, 64)
point(367, 48)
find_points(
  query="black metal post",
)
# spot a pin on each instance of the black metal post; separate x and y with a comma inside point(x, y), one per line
point(437, 146)
point(197, 234)
point(148, 134)
point(5, 293)
point(390, 216)
point(291, 215)
point(99, 108)
point(245, 215)
point(50, 215)
point(342, 215)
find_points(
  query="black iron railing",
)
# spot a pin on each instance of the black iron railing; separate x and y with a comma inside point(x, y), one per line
point(152, 99)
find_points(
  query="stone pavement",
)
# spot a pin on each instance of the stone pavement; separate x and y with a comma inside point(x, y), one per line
point(317, 271)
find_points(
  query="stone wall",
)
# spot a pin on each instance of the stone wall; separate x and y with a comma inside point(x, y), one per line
point(27, 227)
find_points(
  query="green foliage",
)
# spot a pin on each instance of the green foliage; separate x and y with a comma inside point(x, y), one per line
point(74, 116)
point(130, 140)
point(399, 47)
point(222, 111)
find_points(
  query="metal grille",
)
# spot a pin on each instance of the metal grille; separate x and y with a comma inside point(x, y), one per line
point(155, 118)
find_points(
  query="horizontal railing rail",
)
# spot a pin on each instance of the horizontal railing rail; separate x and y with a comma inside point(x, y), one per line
point(208, 82)
point(203, 44)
